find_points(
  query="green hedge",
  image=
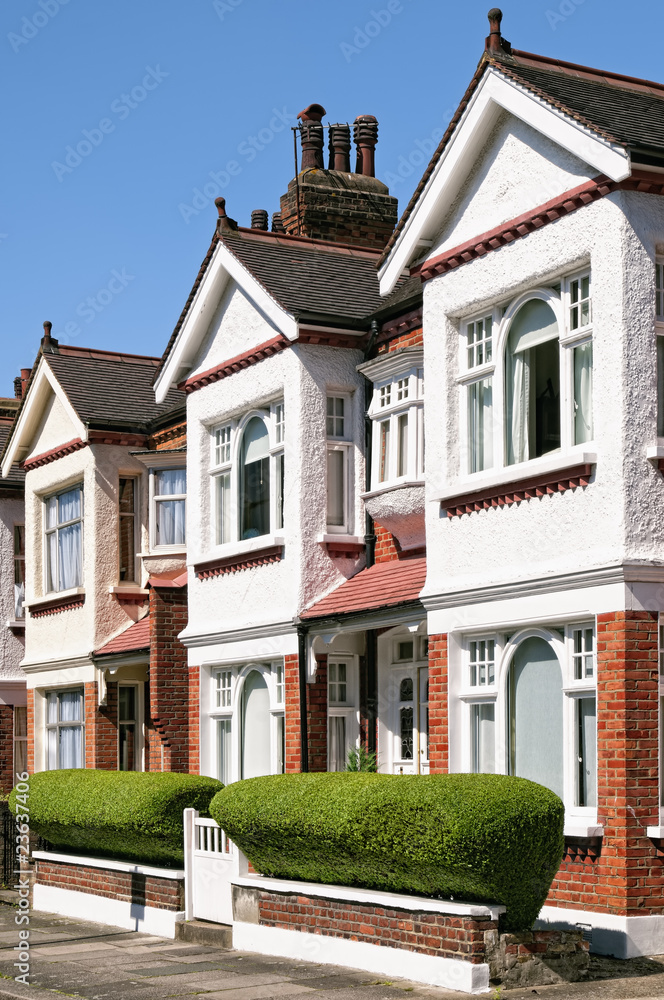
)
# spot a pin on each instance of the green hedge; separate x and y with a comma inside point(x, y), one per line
point(128, 815)
point(472, 837)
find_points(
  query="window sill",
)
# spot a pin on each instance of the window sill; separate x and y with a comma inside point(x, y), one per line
point(164, 550)
point(343, 546)
point(241, 555)
point(55, 603)
point(395, 484)
point(129, 593)
point(574, 830)
point(16, 624)
point(655, 832)
point(655, 454)
point(525, 481)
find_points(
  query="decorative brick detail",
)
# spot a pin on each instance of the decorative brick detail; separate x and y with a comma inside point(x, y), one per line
point(438, 705)
point(56, 606)
point(412, 338)
point(404, 331)
point(236, 364)
point(129, 887)
point(169, 678)
point(174, 436)
point(54, 454)
point(7, 748)
point(438, 934)
point(627, 877)
point(234, 564)
point(292, 763)
point(530, 488)
point(101, 727)
point(194, 720)
point(31, 730)
point(323, 338)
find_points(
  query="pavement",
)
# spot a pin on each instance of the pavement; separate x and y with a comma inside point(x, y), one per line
point(74, 958)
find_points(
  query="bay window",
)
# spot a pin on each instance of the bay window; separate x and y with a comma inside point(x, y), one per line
point(169, 498)
point(63, 537)
point(64, 729)
point(397, 415)
point(247, 474)
point(527, 376)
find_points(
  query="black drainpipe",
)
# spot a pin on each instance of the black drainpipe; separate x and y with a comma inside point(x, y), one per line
point(302, 671)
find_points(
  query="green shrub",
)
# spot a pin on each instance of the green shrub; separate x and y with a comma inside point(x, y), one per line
point(361, 759)
point(128, 815)
point(472, 837)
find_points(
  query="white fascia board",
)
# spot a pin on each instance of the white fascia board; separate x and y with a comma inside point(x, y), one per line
point(223, 267)
point(494, 93)
point(44, 383)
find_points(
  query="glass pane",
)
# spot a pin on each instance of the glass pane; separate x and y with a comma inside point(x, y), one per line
point(406, 689)
point(69, 505)
point(127, 547)
point(532, 383)
point(583, 393)
point(406, 732)
point(384, 457)
point(336, 487)
point(402, 445)
point(223, 488)
point(52, 561)
point(126, 496)
point(536, 715)
point(280, 491)
point(52, 750)
point(51, 512)
point(70, 706)
point(170, 482)
point(170, 527)
point(586, 750)
point(405, 650)
point(51, 708)
point(127, 704)
point(19, 542)
point(69, 557)
point(336, 743)
point(70, 746)
point(480, 424)
point(20, 756)
point(127, 747)
point(254, 489)
point(224, 750)
point(20, 721)
point(482, 724)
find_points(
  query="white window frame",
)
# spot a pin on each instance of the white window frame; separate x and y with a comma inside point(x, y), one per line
point(135, 522)
point(54, 530)
point(274, 673)
point(562, 642)
point(156, 499)
point(341, 443)
point(411, 407)
point(48, 727)
point(139, 746)
point(350, 708)
point(19, 570)
point(559, 299)
point(228, 464)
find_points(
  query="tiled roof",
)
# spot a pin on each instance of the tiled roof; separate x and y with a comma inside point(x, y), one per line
point(134, 638)
point(622, 109)
point(311, 278)
point(381, 586)
point(16, 477)
point(111, 390)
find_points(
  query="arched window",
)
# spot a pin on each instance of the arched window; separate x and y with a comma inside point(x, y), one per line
point(535, 714)
point(255, 749)
point(532, 383)
point(254, 505)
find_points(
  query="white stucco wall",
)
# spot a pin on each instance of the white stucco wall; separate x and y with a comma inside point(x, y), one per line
point(54, 429)
point(11, 644)
point(620, 516)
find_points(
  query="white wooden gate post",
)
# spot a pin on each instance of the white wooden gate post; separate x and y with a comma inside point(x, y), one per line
point(190, 815)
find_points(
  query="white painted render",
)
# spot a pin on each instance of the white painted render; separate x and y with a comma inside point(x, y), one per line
point(103, 910)
point(55, 428)
point(622, 937)
point(11, 642)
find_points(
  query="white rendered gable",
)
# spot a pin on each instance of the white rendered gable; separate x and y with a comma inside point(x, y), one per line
point(494, 95)
point(223, 269)
point(47, 420)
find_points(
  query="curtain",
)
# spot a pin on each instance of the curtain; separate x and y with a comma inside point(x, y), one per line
point(336, 745)
point(52, 558)
point(335, 487)
point(583, 397)
point(19, 597)
point(69, 506)
point(481, 425)
point(69, 556)
point(170, 482)
point(70, 746)
point(170, 522)
point(224, 750)
point(518, 407)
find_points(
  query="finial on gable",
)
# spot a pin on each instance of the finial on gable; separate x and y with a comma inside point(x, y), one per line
point(495, 43)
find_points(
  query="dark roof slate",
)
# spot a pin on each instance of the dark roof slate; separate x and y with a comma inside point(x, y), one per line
point(111, 390)
point(16, 478)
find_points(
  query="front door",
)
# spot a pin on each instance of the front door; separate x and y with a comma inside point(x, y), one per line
point(410, 721)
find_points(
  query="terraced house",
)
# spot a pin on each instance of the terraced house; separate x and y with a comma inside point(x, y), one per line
point(424, 488)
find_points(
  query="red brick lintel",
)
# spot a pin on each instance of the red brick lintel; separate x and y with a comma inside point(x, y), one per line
point(641, 180)
point(122, 438)
point(233, 564)
point(521, 489)
point(56, 605)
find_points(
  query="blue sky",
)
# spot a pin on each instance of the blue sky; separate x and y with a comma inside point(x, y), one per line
point(115, 113)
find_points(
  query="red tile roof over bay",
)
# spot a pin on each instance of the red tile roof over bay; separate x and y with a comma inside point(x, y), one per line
point(136, 637)
point(381, 586)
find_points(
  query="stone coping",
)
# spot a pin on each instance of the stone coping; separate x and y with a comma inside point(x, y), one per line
point(110, 864)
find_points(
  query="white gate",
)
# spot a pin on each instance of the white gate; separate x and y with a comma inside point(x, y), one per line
point(210, 862)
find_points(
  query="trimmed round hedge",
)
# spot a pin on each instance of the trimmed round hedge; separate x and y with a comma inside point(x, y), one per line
point(129, 815)
point(473, 837)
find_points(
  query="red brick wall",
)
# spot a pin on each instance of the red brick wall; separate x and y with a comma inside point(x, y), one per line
point(414, 338)
point(31, 730)
point(438, 705)
point(169, 679)
point(387, 547)
point(6, 747)
point(429, 933)
point(101, 728)
point(148, 890)
point(194, 720)
point(292, 712)
point(628, 877)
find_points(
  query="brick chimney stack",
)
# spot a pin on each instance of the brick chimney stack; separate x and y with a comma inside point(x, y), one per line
point(336, 204)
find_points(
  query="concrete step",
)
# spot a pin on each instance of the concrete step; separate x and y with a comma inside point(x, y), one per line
point(204, 932)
